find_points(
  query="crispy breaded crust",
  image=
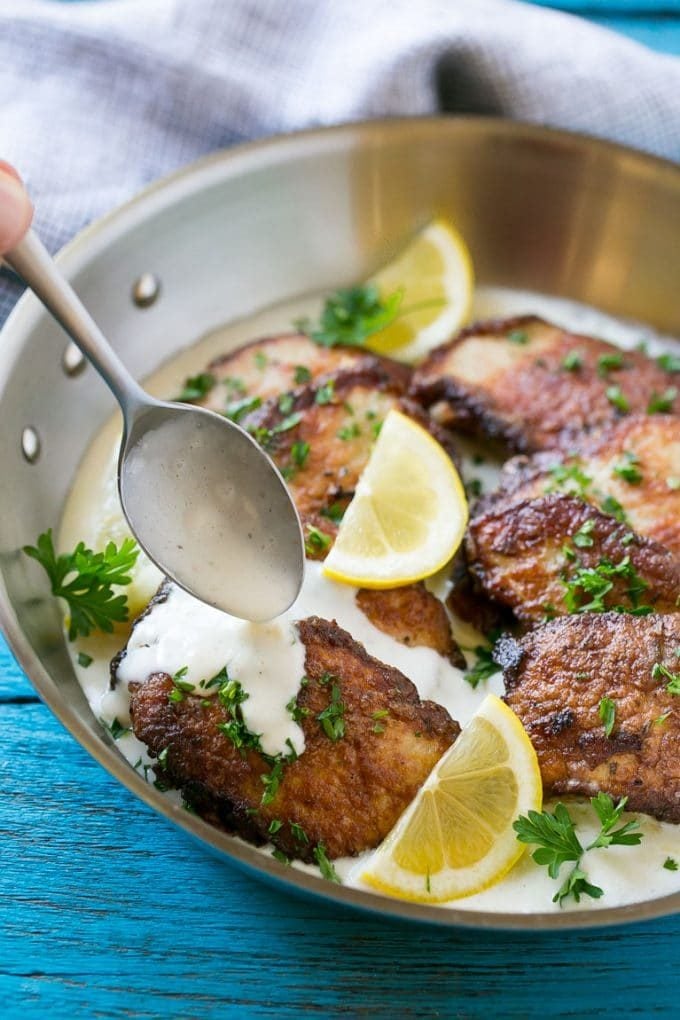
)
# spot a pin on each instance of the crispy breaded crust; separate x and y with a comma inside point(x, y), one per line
point(338, 417)
point(516, 552)
point(652, 503)
point(346, 794)
point(555, 678)
point(505, 380)
point(273, 365)
point(413, 616)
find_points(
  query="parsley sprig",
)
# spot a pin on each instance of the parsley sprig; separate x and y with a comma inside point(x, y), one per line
point(352, 315)
point(86, 580)
point(555, 837)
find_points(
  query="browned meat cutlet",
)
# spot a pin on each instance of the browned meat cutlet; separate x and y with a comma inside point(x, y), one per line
point(554, 555)
point(322, 435)
point(507, 380)
point(274, 365)
point(631, 469)
point(556, 678)
point(413, 616)
point(344, 793)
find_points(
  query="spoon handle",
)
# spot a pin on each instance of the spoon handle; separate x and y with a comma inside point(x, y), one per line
point(33, 263)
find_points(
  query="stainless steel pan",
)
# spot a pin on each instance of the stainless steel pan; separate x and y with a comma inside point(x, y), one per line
point(540, 209)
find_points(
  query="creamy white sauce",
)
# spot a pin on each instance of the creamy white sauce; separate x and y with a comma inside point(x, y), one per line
point(268, 659)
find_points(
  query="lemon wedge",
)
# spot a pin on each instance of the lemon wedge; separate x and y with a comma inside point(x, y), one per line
point(408, 514)
point(456, 837)
point(436, 276)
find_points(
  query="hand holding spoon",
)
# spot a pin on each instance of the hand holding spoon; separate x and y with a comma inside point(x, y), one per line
point(203, 500)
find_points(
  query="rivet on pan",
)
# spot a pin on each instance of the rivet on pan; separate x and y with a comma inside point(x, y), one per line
point(30, 444)
point(145, 290)
point(72, 362)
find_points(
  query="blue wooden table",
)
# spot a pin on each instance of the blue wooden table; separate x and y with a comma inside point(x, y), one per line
point(106, 911)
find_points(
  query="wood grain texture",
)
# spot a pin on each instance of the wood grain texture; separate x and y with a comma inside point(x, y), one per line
point(107, 911)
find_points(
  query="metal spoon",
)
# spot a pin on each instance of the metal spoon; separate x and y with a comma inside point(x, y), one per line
point(203, 500)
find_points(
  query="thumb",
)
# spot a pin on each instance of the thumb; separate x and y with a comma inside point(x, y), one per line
point(16, 211)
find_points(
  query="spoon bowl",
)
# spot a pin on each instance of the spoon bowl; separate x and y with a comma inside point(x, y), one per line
point(205, 503)
point(203, 500)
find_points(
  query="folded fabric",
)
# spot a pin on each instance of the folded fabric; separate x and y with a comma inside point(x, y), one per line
point(100, 98)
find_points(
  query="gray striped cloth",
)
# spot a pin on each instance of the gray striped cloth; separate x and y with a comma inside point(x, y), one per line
point(100, 98)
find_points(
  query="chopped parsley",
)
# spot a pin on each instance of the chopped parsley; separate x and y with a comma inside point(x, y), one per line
point(325, 865)
point(85, 580)
point(670, 864)
point(180, 686)
point(659, 403)
point(607, 363)
point(279, 856)
point(260, 360)
point(335, 512)
point(669, 362)
point(298, 833)
point(285, 403)
point(299, 452)
point(518, 336)
point(583, 538)
point(163, 757)
point(569, 477)
point(302, 374)
point(474, 488)
point(196, 387)
point(116, 728)
point(274, 826)
point(617, 398)
point(673, 685)
point(607, 713)
point(84, 659)
point(484, 667)
point(240, 408)
point(316, 541)
point(612, 507)
point(350, 316)
point(325, 393)
point(332, 718)
point(554, 835)
point(231, 696)
point(347, 432)
point(572, 361)
point(628, 468)
point(297, 712)
point(271, 781)
point(597, 582)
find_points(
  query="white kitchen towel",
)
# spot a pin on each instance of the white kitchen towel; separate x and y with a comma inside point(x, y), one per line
point(99, 98)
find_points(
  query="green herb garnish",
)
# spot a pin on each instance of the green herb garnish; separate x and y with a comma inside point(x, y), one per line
point(325, 866)
point(572, 361)
point(84, 659)
point(617, 398)
point(669, 362)
point(85, 580)
point(347, 432)
point(607, 712)
point(325, 393)
point(628, 468)
point(569, 477)
point(660, 403)
point(240, 408)
point(611, 506)
point(302, 374)
point(352, 315)
point(518, 336)
point(332, 718)
point(116, 728)
point(316, 540)
point(554, 835)
point(583, 537)
point(483, 668)
point(670, 864)
point(607, 363)
point(196, 387)
point(673, 685)
point(597, 582)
